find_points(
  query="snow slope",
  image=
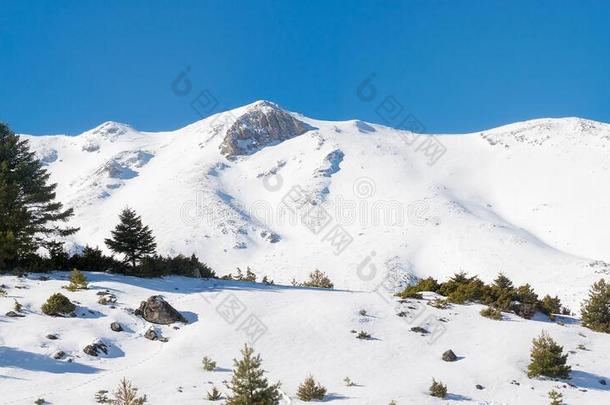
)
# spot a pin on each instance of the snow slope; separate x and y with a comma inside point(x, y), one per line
point(527, 199)
point(304, 331)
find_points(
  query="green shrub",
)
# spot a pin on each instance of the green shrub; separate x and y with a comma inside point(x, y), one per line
point(310, 390)
point(248, 382)
point(555, 397)
point(213, 395)
point(550, 305)
point(78, 281)
point(127, 394)
point(363, 335)
point(318, 279)
point(438, 389)
point(595, 311)
point(2, 292)
point(491, 313)
point(208, 364)
point(547, 359)
point(58, 305)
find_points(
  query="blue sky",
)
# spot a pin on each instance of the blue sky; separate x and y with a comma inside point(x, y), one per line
point(456, 66)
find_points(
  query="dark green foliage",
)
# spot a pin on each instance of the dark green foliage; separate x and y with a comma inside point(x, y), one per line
point(318, 279)
point(92, 259)
point(249, 276)
point(78, 281)
point(491, 313)
point(131, 238)
point(58, 305)
point(29, 215)
point(439, 303)
point(248, 385)
point(547, 359)
point(438, 389)
point(208, 364)
point(461, 289)
point(310, 390)
point(595, 311)
point(550, 305)
point(425, 284)
point(155, 266)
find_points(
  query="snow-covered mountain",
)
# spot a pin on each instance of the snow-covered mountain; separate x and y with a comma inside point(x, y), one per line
point(284, 194)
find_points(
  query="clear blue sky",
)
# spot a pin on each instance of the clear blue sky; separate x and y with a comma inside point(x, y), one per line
point(457, 66)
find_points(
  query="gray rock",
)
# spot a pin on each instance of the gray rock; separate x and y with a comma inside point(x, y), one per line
point(419, 329)
point(263, 124)
point(52, 336)
point(156, 310)
point(449, 356)
point(96, 348)
point(602, 381)
point(479, 387)
point(116, 327)
point(151, 334)
point(59, 355)
point(13, 314)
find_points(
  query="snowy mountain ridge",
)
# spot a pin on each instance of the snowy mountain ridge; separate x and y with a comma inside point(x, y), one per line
point(282, 193)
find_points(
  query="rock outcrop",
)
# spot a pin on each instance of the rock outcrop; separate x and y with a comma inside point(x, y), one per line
point(156, 310)
point(263, 124)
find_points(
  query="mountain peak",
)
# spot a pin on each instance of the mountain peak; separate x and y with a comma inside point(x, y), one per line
point(261, 124)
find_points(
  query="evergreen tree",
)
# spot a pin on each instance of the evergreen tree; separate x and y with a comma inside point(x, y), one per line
point(595, 311)
point(248, 385)
point(131, 238)
point(310, 390)
point(29, 215)
point(127, 394)
point(547, 359)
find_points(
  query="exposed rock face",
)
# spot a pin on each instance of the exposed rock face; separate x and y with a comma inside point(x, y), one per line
point(96, 348)
point(13, 314)
point(449, 356)
point(263, 124)
point(52, 336)
point(156, 310)
point(59, 355)
point(151, 334)
point(116, 327)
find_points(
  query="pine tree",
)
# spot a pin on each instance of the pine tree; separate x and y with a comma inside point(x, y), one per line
point(595, 311)
point(248, 385)
point(126, 394)
point(555, 397)
point(310, 390)
point(131, 238)
point(29, 215)
point(547, 358)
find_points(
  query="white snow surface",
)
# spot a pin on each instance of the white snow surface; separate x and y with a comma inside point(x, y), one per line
point(528, 199)
point(304, 331)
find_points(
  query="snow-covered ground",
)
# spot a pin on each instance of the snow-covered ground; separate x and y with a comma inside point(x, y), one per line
point(368, 205)
point(527, 199)
point(297, 331)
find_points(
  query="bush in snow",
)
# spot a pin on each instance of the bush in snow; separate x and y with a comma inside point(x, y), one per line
point(58, 305)
point(208, 364)
point(310, 390)
point(249, 276)
point(101, 397)
point(17, 307)
point(439, 303)
point(595, 311)
point(363, 335)
point(248, 385)
point(491, 313)
point(547, 359)
point(425, 284)
point(438, 389)
point(213, 395)
point(2, 292)
point(78, 281)
point(318, 279)
point(555, 397)
point(127, 394)
point(550, 305)
point(156, 266)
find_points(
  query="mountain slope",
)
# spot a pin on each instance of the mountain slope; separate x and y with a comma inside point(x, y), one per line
point(527, 199)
